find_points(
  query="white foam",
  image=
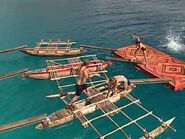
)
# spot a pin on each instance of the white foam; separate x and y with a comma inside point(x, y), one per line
point(173, 42)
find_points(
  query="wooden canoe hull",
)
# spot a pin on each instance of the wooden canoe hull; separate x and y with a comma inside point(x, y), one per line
point(65, 115)
point(62, 71)
point(159, 129)
point(53, 52)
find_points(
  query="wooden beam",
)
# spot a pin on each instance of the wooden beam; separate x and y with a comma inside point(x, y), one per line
point(98, 47)
point(21, 123)
point(13, 49)
point(124, 60)
point(13, 73)
point(151, 80)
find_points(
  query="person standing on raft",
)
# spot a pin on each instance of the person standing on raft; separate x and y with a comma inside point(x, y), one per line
point(140, 47)
point(81, 86)
point(114, 82)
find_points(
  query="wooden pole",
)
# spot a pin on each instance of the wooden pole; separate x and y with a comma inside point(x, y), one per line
point(21, 123)
point(13, 49)
point(151, 80)
point(13, 73)
point(97, 47)
point(124, 60)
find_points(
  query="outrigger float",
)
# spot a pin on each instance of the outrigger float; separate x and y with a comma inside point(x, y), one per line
point(57, 69)
point(53, 48)
point(101, 100)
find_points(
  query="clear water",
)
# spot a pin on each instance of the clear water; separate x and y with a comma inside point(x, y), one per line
point(160, 24)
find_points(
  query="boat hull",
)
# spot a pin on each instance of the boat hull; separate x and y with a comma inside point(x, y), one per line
point(53, 52)
point(62, 71)
point(65, 115)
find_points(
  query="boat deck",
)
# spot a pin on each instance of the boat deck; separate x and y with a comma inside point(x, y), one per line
point(160, 65)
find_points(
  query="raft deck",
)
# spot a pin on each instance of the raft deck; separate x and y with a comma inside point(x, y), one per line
point(160, 65)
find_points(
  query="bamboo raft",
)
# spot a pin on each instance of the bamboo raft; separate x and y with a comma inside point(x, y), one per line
point(53, 48)
point(86, 106)
point(57, 70)
point(100, 98)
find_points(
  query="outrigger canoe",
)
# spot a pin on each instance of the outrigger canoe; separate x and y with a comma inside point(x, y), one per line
point(62, 70)
point(101, 102)
point(84, 106)
point(50, 48)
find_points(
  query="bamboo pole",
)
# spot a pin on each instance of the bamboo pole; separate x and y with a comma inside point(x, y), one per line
point(132, 119)
point(114, 122)
point(103, 81)
point(100, 66)
point(152, 114)
point(118, 109)
point(72, 58)
point(137, 119)
point(76, 75)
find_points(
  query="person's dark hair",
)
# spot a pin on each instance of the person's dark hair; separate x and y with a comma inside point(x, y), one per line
point(112, 80)
point(138, 42)
point(85, 62)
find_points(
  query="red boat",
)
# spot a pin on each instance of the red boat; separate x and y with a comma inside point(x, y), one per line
point(62, 71)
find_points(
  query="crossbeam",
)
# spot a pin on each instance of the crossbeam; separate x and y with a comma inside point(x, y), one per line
point(137, 119)
point(103, 81)
point(71, 58)
point(58, 78)
point(115, 110)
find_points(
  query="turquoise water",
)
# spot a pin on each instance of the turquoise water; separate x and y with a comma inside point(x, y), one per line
point(160, 24)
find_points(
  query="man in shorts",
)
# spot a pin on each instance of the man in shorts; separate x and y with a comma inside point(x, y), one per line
point(81, 86)
point(140, 47)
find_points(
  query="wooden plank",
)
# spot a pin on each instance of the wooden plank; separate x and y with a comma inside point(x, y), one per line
point(13, 49)
point(24, 122)
point(13, 73)
point(151, 80)
point(124, 60)
point(98, 47)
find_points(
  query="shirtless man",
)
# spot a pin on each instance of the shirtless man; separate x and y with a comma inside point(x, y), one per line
point(140, 47)
point(81, 86)
point(115, 80)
